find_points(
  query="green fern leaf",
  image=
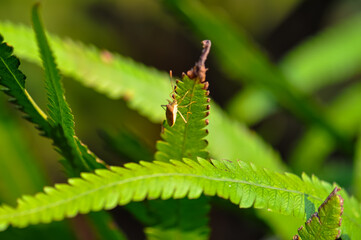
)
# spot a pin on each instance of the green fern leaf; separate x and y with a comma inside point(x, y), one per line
point(61, 118)
point(324, 225)
point(186, 140)
point(243, 184)
point(13, 81)
point(58, 109)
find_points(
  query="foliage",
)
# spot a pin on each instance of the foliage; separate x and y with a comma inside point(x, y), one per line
point(255, 67)
point(59, 126)
point(243, 184)
point(312, 149)
point(121, 73)
point(109, 73)
point(186, 139)
point(60, 117)
point(324, 59)
point(170, 196)
point(13, 82)
point(326, 222)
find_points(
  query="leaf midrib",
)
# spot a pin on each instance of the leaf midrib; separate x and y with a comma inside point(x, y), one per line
point(11, 72)
point(37, 108)
point(187, 124)
point(53, 79)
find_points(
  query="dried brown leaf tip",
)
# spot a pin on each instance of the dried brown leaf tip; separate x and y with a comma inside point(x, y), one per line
point(198, 72)
point(199, 69)
point(324, 224)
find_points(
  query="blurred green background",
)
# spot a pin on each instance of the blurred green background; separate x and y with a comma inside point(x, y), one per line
point(314, 44)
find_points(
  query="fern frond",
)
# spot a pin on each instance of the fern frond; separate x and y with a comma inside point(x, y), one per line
point(325, 224)
point(61, 118)
point(60, 115)
point(13, 82)
point(242, 183)
point(186, 140)
point(58, 109)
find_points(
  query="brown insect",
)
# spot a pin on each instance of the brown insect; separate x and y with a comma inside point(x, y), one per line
point(171, 109)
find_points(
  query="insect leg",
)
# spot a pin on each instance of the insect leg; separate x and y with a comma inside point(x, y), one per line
point(187, 104)
point(182, 116)
point(183, 97)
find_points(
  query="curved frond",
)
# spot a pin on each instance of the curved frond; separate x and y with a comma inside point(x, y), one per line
point(242, 183)
point(61, 118)
point(59, 111)
point(324, 224)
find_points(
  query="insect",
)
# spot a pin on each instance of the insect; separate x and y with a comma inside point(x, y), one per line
point(171, 109)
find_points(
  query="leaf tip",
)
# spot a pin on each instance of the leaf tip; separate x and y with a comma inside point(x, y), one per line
point(199, 69)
